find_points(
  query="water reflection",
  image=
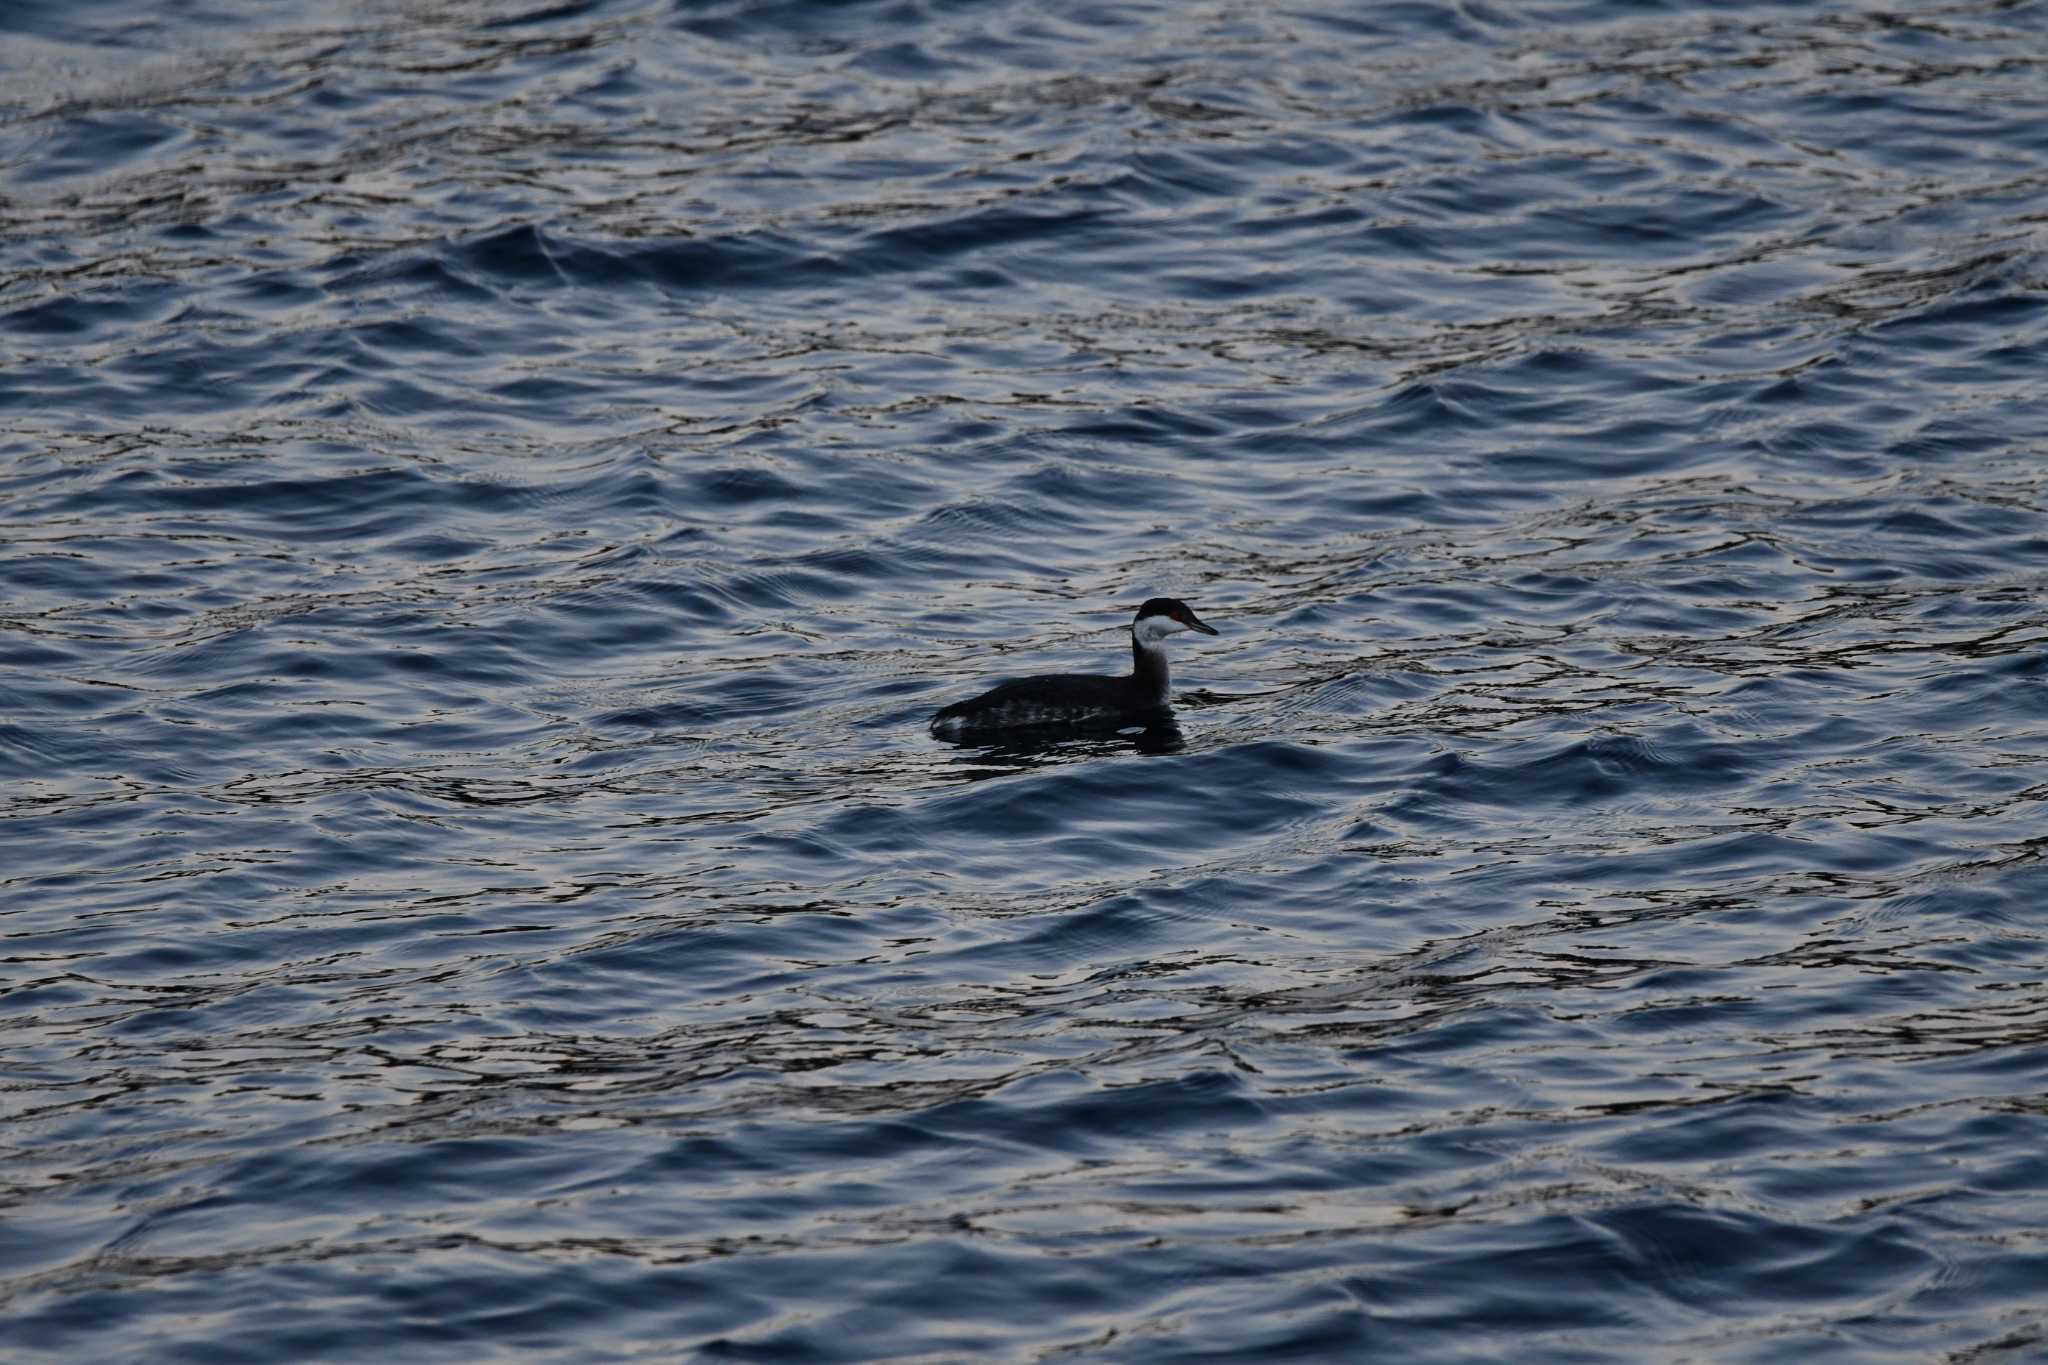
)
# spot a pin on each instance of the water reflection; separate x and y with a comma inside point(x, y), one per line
point(1025, 747)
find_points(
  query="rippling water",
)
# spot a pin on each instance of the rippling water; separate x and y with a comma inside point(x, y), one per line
point(491, 493)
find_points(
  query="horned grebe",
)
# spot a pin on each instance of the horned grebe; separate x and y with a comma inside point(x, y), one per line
point(1058, 698)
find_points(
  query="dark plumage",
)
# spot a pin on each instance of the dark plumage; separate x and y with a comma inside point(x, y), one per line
point(1057, 698)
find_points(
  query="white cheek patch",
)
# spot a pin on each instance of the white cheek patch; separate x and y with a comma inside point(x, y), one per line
point(1153, 629)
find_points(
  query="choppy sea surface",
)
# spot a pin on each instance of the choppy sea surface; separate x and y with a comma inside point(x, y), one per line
point(490, 493)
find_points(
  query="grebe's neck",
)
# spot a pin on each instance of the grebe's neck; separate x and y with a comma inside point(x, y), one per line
point(1148, 667)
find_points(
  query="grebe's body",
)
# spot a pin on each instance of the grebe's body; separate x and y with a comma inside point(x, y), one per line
point(1066, 698)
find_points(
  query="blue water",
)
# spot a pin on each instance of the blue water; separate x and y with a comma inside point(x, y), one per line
point(490, 493)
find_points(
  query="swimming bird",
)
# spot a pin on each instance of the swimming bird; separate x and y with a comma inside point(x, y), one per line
point(1064, 698)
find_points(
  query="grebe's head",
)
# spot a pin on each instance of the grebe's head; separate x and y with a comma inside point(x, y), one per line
point(1164, 616)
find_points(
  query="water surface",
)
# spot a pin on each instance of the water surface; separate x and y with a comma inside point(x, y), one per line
point(490, 493)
